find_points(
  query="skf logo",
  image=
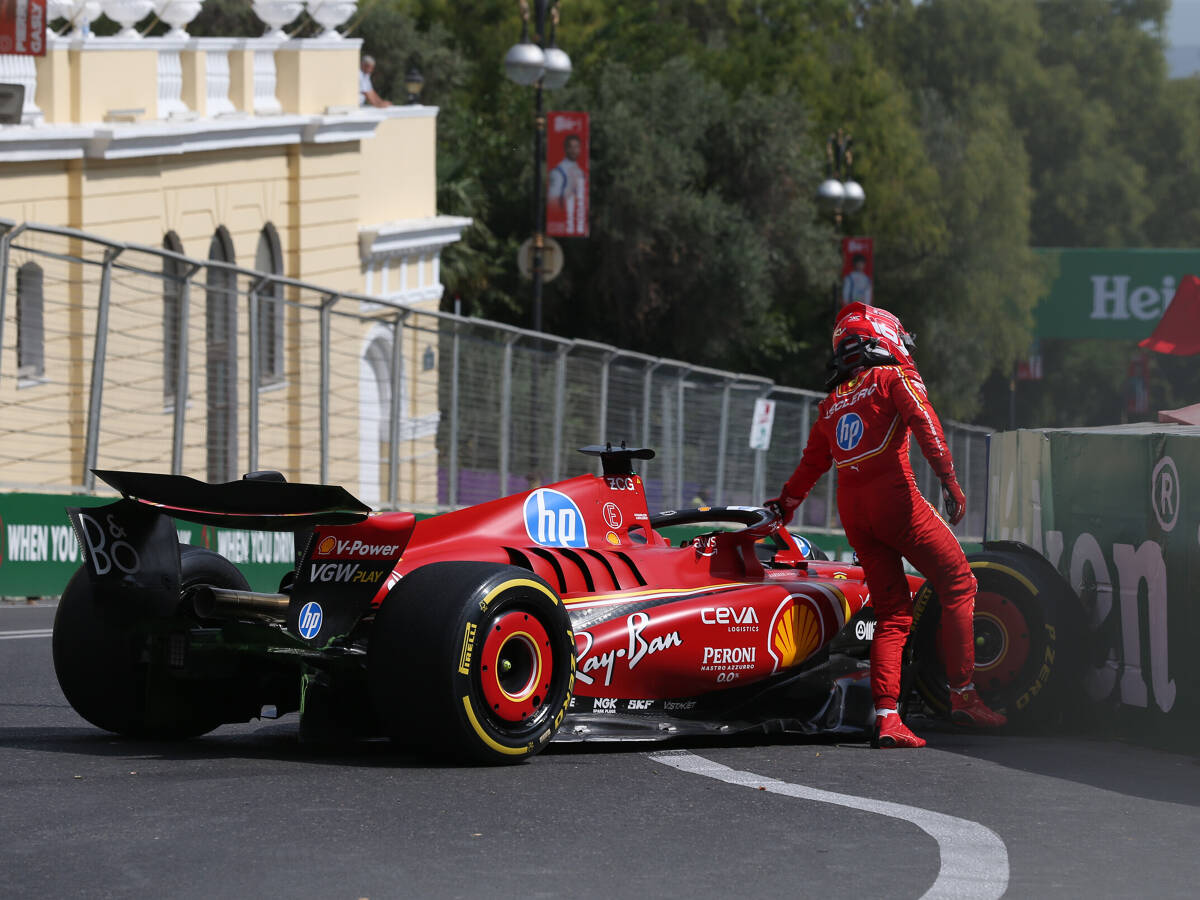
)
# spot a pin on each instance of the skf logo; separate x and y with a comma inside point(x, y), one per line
point(309, 623)
point(640, 704)
point(553, 520)
point(849, 431)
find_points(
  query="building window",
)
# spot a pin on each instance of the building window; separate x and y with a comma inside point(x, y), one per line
point(268, 259)
point(172, 294)
point(31, 332)
point(220, 333)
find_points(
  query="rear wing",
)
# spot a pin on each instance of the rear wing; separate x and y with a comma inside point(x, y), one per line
point(263, 505)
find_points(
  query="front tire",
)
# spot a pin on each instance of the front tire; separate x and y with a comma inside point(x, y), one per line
point(472, 660)
point(102, 658)
point(1028, 639)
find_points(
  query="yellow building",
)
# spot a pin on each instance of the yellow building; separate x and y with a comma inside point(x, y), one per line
point(248, 151)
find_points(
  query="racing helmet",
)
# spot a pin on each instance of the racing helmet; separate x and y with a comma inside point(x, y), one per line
point(853, 354)
point(872, 322)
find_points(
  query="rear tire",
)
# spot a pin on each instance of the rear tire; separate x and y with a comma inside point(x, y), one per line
point(1028, 639)
point(472, 660)
point(102, 659)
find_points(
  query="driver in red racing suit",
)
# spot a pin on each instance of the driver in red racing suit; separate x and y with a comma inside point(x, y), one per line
point(877, 397)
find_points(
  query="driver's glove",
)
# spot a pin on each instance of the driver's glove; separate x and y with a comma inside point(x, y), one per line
point(954, 499)
point(785, 505)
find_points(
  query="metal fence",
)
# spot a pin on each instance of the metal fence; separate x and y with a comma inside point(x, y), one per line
point(124, 356)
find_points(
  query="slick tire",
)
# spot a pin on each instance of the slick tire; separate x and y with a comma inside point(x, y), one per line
point(103, 661)
point(475, 661)
point(1028, 639)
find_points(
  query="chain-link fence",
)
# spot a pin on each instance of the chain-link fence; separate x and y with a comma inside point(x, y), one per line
point(124, 356)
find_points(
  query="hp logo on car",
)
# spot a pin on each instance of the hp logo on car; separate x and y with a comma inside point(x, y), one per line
point(553, 520)
point(849, 431)
point(310, 620)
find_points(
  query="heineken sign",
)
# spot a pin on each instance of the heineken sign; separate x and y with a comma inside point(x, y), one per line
point(1117, 294)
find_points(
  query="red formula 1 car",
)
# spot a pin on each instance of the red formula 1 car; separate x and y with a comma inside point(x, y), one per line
point(561, 613)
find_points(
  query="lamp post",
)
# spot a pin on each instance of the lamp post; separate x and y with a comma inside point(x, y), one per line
point(539, 63)
point(839, 194)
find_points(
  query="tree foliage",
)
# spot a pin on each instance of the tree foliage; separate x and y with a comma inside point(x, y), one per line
point(982, 128)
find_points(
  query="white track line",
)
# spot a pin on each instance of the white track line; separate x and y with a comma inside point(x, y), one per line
point(27, 633)
point(974, 861)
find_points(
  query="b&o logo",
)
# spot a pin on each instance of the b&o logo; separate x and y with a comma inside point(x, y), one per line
point(553, 520)
point(1165, 493)
point(849, 431)
point(310, 620)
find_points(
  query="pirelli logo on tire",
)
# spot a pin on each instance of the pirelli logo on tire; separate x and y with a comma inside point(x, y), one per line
point(468, 645)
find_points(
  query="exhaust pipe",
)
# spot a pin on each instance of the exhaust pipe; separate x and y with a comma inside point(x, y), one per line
point(213, 603)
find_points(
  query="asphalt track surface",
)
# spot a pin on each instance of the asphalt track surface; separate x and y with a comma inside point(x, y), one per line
point(250, 811)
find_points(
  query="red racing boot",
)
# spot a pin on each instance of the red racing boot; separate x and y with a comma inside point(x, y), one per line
point(968, 710)
point(893, 732)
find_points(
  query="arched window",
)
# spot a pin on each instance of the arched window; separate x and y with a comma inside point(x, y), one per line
point(172, 294)
point(268, 259)
point(220, 321)
point(31, 331)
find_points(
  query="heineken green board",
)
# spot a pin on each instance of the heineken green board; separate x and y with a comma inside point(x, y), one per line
point(1117, 512)
point(1118, 294)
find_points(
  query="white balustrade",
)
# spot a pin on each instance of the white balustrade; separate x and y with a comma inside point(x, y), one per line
point(127, 13)
point(277, 13)
point(177, 14)
point(217, 82)
point(265, 101)
point(329, 14)
point(170, 84)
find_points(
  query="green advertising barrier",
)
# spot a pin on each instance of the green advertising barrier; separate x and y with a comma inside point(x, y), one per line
point(39, 553)
point(1117, 512)
point(1116, 294)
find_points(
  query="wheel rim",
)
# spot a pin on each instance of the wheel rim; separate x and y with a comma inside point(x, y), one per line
point(516, 667)
point(1001, 641)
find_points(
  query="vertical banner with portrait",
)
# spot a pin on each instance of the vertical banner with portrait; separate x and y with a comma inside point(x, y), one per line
point(858, 270)
point(23, 27)
point(568, 177)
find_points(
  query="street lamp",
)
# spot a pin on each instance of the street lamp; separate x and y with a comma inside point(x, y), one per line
point(839, 194)
point(540, 63)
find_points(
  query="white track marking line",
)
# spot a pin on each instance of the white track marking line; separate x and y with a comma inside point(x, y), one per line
point(974, 861)
point(27, 633)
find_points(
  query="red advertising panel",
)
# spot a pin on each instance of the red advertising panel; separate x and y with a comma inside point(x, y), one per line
point(858, 270)
point(23, 27)
point(568, 180)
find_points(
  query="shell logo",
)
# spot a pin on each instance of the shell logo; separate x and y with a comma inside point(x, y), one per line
point(795, 634)
point(612, 538)
point(327, 545)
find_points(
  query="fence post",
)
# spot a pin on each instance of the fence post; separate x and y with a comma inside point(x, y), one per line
point(394, 411)
point(91, 445)
point(560, 407)
point(605, 366)
point(179, 418)
point(718, 498)
point(506, 412)
point(680, 387)
point(255, 374)
point(324, 387)
point(5, 243)
point(647, 397)
point(452, 464)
